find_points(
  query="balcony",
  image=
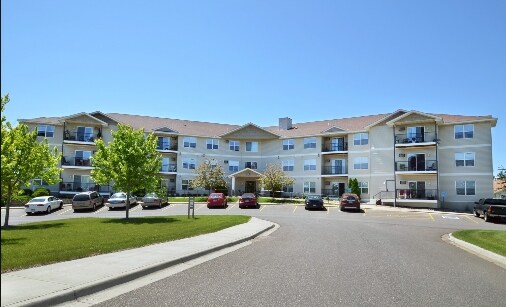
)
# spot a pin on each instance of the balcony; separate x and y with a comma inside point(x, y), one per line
point(329, 147)
point(76, 161)
point(88, 137)
point(427, 194)
point(168, 168)
point(414, 166)
point(166, 146)
point(408, 139)
point(334, 170)
point(77, 187)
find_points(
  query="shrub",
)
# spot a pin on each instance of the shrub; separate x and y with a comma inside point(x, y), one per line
point(27, 192)
point(41, 192)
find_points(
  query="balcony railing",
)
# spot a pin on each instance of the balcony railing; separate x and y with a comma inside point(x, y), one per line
point(166, 146)
point(431, 194)
point(334, 170)
point(81, 136)
point(407, 138)
point(75, 161)
point(168, 168)
point(410, 166)
point(328, 147)
point(84, 186)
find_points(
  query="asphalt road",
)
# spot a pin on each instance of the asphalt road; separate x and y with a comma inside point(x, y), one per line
point(327, 258)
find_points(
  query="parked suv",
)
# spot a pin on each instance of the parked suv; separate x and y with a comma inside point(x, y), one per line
point(87, 200)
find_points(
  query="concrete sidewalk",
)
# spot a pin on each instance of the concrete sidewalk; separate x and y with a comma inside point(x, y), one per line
point(66, 281)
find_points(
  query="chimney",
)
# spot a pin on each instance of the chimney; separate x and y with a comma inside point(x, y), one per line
point(285, 123)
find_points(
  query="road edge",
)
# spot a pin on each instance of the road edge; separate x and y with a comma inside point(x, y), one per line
point(476, 250)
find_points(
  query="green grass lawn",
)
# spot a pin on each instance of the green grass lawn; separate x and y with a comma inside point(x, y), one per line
point(41, 243)
point(492, 240)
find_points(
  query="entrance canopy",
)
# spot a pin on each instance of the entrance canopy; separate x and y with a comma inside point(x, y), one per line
point(245, 174)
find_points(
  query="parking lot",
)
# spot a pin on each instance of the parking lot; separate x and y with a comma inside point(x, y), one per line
point(368, 213)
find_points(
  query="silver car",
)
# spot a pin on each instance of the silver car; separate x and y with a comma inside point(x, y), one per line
point(119, 200)
point(87, 200)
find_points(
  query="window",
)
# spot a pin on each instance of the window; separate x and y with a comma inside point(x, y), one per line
point(252, 146)
point(189, 163)
point(288, 189)
point(288, 144)
point(189, 142)
point(186, 184)
point(288, 165)
point(465, 187)
point(464, 131)
point(252, 165)
point(364, 187)
point(309, 187)
point(360, 139)
point(309, 143)
point(310, 165)
point(39, 182)
point(163, 143)
point(464, 159)
point(233, 166)
point(165, 165)
point(46, 131)
point(361, 163)
point(84, 134)
point(82, 158)
point(234, 145)
point(212, 143)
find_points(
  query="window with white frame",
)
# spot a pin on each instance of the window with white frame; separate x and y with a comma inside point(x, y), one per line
point(309, 187)
point(310, 143)
point(189, 163)
point(46, 131)
point(213, 163)
point(234, 145)
point(364, 187)
point(464, 131)
point(186, 184)
point(464, 159)
point(288, 188)
point(165, 165)
point(288, 165)
point(465, 187)
point(212, 143)
point(252, 146)
point(163, 143)
point(310, 165)
point(360, 139)
point(288, 144)
point(233, 166)
point(252, 165)
point(39, 182)
point(361, 163)
point(189, 142)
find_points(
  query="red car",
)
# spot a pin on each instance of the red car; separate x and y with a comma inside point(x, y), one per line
point(248, 200)
point(217, 200)
point(349, 201)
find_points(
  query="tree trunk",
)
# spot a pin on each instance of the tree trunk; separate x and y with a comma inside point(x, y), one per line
point(127, 205)
point(7, 206)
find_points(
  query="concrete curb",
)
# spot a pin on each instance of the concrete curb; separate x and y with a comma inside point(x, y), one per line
point(476, 250)
point(76, 292)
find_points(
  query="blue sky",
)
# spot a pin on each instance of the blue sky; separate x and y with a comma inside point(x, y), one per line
point(255, 61)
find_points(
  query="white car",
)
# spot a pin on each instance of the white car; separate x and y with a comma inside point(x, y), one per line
point(119, 200)
point(43, 204)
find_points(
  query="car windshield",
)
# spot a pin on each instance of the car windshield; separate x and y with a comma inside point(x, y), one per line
point(150, 195)
point(313, 197)
point(215, 195)
point(80, 197)
point(38, 200)
point(248, 195)
point(119, 195)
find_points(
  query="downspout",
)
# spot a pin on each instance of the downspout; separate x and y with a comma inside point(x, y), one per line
point(395, 176)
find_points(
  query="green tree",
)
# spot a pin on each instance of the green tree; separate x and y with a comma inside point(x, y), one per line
point(274, 178)
point(23, 159)
point(501, 177)
point(353, 185)
point(210, 176)
point(130, 161)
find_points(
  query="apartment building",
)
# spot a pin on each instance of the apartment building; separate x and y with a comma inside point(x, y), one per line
point(407, 158)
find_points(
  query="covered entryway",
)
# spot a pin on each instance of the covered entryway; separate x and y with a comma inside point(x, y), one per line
point(244, 181)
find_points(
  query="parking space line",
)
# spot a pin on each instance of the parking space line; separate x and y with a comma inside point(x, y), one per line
point(135, 209)
point(263, 207)
point(101, 209)
point(470, 219)
point(365, 211)
point(328, 210)
point(231, 207)
point(65, 211)
point(294, 209)
point(168, 207)
point(431, 217)
point(200, 207)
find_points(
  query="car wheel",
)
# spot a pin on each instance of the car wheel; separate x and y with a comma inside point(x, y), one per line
point(48, 209)
point(476, 213)
point(94, 207)
point(61, 205)
point(486, 217)
point(160, 205)
point(28, 213)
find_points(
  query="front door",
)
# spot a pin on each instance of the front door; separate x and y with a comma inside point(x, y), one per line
point(417, 189)
point(338, 167)
point(250, 186)
point(337, 144)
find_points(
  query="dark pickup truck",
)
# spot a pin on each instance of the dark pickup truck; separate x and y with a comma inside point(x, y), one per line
point(490, 208)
